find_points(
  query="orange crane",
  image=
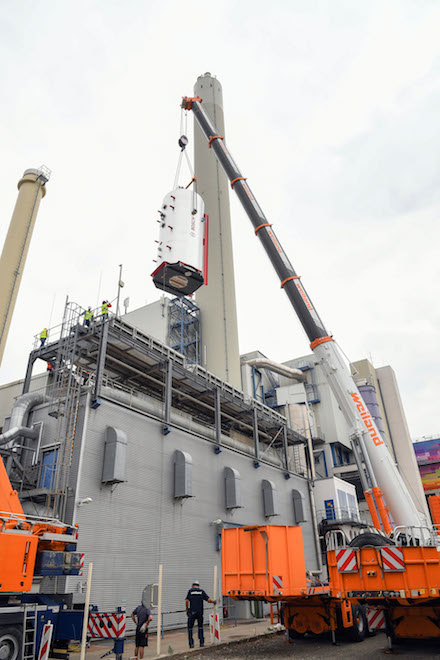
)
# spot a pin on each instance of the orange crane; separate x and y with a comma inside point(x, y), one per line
point(395, 586)
point(25, 538)
point(30, 547)
point(396, 549)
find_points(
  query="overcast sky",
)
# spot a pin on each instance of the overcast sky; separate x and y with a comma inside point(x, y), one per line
point(332, 112)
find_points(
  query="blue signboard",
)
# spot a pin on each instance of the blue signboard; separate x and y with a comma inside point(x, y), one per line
point(330, 509)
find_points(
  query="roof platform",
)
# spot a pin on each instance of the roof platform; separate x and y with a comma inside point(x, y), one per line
point(113, 353)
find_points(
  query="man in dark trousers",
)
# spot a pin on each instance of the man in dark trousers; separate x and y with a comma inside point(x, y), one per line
point(194, 610)
point(141, 616)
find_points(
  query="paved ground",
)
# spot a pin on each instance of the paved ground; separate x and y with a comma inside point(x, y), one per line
point(176, 641)
point(275, 647)
point(254, 641)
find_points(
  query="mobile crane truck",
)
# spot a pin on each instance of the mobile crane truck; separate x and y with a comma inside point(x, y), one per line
point(396, 570)
point(33, 547)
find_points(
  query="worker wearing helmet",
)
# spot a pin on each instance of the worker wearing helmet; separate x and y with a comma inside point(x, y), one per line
point(43, 337)
point(88, 316)
point(104, 309)
point(194, 610)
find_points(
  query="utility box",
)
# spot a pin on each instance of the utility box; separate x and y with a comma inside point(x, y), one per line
point(150, 596)
point(232, 488)
point(115, 455)
point(182, 474)
point(266, 561)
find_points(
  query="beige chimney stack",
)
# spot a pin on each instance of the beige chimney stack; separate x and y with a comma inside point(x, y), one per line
point(31, 189)
point(220, 353)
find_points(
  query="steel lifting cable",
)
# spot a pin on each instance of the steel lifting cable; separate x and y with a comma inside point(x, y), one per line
point(179, 165)
point(183, 134)
point(179, 162)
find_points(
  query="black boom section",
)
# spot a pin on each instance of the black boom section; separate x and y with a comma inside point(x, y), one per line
point(290, 281)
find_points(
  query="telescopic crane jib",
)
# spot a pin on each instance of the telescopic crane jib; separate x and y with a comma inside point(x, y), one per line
point(380, 474)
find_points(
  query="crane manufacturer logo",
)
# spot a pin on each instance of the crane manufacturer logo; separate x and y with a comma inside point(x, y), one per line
point(275, 242)
point(367, 419)
point(304, 296)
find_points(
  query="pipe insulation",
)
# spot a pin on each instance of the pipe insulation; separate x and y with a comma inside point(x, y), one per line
point(276, 367)
point(19, 418)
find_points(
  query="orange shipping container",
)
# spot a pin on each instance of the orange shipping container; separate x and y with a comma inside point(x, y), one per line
point(264, 562)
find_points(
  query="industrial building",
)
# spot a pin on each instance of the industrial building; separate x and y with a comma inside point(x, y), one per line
point(152, 455)
point(167, 453)
point(427, 453)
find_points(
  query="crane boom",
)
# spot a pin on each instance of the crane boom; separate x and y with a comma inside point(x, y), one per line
point(367, 442)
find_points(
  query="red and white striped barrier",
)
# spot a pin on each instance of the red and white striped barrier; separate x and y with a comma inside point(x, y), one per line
point(346, 560)
point(277, 584)
point(107, 625)
point(214, 628)
point(392, 558)
point(81, 564)
point(376, 619)
point(46, 639)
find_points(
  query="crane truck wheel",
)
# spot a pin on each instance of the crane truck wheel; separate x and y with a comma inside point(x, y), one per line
point(294, 634)
point(370, 538)
point(360, 627)
point(10, 642)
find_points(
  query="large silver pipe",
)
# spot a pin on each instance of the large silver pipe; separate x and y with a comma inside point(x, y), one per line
point(17, 432)
point(19, 418)
point(276, 367)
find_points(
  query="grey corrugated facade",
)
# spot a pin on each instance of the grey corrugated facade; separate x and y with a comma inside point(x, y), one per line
point(130, 528)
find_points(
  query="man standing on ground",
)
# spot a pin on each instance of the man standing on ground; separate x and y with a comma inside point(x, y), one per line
point(194, 610)
point(142, 617)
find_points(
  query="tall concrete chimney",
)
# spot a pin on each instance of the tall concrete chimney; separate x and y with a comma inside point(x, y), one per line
point(31, 189)
point(220, 353)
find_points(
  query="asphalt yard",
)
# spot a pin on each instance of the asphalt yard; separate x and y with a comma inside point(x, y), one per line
point(255, 640)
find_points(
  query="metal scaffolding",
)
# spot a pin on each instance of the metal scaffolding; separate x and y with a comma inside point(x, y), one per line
point(184, 333)
point(109, 354)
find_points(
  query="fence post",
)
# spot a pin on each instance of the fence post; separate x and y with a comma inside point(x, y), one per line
point(159, 611)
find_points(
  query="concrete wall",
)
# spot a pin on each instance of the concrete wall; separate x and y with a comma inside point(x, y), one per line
point(400, 436)
point(257, 382)
point(329, 420)
point(10, 391)
point(217, 303)
point(153, 319)
point(364, 370)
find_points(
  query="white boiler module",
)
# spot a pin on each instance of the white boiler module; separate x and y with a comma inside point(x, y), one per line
point(182, 251)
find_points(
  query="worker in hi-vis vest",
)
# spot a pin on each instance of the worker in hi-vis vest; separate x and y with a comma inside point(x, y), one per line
point(104, 309)
point(43, 336)
point(88, 316)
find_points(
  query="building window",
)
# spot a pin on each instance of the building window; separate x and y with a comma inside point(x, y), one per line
point(48, 467)
point(182, 474)
point(298, 507)
point(270, 503)
point(232, 488)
